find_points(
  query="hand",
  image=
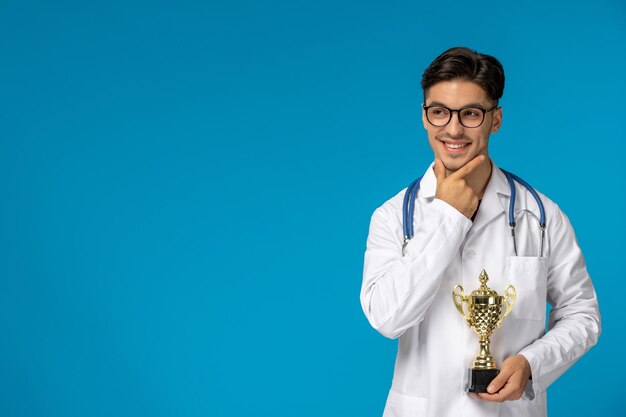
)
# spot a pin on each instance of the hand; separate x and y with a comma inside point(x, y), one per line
point(510, 382)
point(456, 189)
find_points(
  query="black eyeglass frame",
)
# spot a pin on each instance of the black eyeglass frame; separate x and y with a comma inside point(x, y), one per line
point(458, 114)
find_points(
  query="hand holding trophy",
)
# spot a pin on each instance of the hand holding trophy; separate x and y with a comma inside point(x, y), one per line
point(484, 314)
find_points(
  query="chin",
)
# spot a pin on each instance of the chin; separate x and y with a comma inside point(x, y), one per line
point(452, 164)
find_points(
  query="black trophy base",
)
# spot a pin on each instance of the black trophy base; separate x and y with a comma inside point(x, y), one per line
point(479, 379)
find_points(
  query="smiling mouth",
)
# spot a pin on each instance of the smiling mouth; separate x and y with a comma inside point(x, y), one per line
point(455, 146)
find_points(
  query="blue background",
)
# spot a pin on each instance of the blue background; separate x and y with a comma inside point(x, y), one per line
point(186, 191)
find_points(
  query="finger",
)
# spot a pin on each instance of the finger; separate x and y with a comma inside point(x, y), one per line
point(500, 380)
point(469, 167)
point(503, 395)
point(506, 393)
point(440, 171)
point(512, 390)
point(494, 398)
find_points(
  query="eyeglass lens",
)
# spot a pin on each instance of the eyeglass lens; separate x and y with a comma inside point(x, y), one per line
point(469, 117)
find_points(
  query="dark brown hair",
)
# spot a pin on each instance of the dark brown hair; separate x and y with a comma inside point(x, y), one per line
point(466, 64)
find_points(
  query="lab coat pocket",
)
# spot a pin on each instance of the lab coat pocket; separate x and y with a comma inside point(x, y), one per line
point(528, 274)
point(402, 405)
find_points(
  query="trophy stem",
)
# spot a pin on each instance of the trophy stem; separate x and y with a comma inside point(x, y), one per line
point(484, 360)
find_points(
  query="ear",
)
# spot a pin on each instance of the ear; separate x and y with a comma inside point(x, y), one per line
point(496, 120)
point(424, 121)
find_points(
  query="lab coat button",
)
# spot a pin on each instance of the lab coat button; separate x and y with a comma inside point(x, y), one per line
point(469, 253)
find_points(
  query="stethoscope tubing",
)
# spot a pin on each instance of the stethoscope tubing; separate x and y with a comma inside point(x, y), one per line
point(408, 210)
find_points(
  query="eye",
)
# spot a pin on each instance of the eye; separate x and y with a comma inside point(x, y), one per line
point(438, 111)
point(471, 113)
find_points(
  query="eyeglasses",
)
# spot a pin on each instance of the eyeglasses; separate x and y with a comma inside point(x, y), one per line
point(468, 117)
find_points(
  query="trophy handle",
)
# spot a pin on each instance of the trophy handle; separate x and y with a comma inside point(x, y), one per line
point(458, 296)
point(509, 300)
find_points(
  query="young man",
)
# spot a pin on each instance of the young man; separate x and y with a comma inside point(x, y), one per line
point(461, 226)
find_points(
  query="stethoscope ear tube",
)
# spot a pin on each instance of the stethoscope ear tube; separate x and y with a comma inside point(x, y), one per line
point(512, 209)
point(542, 212)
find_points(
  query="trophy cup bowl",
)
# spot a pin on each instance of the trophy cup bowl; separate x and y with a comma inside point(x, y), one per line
point(484, 314)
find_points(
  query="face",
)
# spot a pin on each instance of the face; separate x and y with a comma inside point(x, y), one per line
point(454, 144)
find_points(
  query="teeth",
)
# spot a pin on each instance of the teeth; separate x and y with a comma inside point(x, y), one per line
point(455, 146)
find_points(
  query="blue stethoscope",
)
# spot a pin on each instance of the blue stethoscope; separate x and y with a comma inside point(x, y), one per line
point(408, 208)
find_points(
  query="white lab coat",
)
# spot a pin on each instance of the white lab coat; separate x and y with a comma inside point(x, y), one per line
point(410, 297)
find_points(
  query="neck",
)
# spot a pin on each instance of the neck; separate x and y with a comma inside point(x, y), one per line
point(487, 177)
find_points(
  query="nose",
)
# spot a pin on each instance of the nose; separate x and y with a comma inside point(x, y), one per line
point(454, 126)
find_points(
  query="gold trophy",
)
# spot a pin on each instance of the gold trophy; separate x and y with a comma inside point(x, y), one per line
point(484, 314)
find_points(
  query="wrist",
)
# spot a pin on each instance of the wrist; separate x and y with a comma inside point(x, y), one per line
point(527, 367)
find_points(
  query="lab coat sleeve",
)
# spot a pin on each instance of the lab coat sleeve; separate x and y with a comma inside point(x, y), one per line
point(397, 290)
point(574, 321)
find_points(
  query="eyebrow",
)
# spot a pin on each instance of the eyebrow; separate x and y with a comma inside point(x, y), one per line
point(437, 103)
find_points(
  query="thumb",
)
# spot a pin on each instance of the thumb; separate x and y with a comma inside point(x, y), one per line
point(499, 381)
point(440, 171)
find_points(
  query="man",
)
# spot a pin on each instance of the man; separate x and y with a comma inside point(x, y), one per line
point(461, 227)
